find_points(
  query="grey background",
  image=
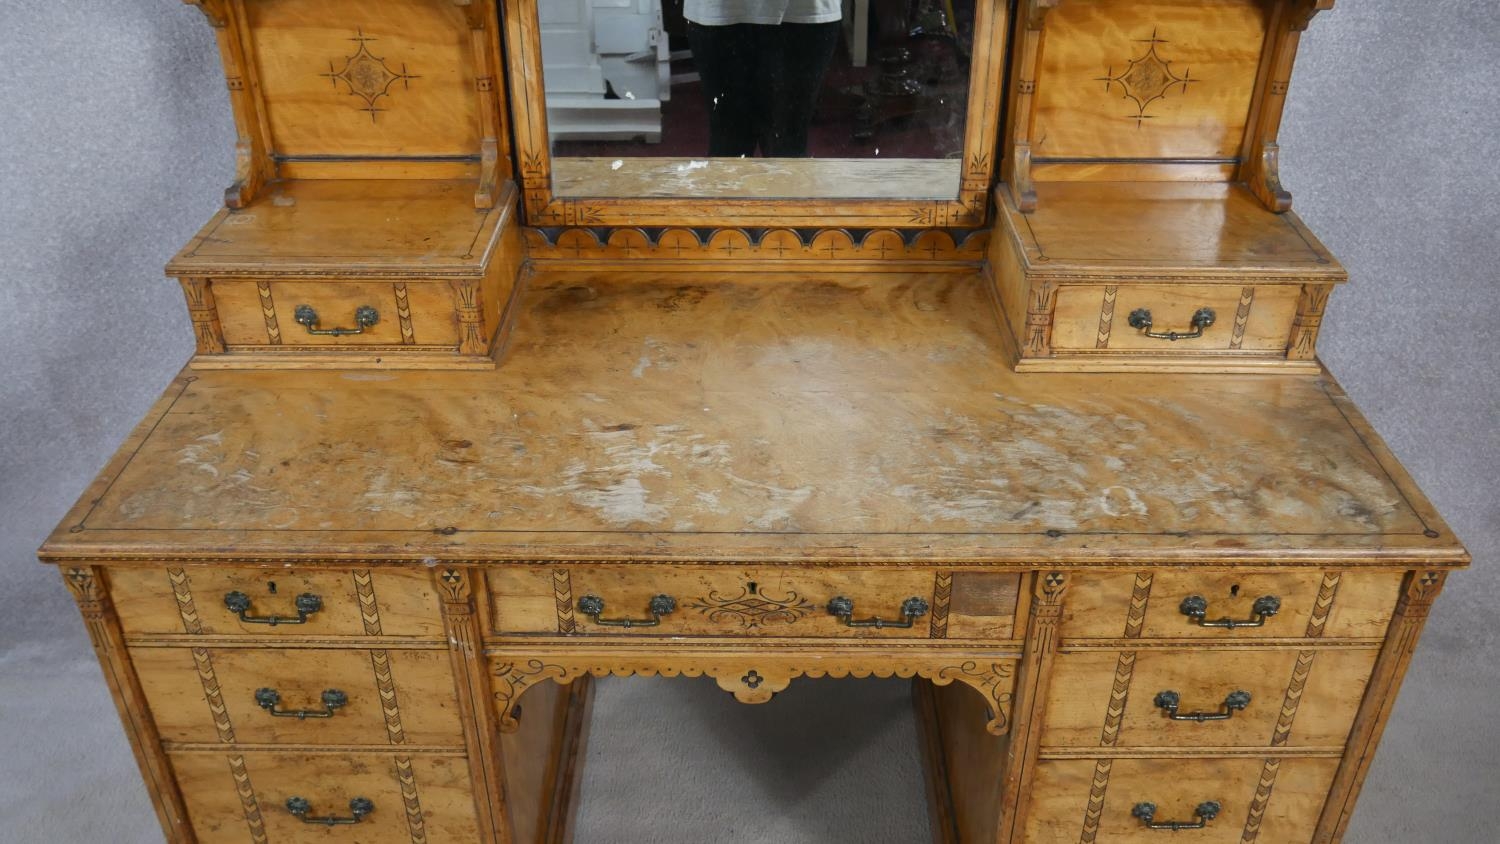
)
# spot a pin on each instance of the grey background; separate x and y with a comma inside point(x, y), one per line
point(115, 141)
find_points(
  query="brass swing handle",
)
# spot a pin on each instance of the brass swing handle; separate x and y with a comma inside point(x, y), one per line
point(911, 610)
point(364, 317)
point(1169, 701)
point(358, 808)
point(306, 604)
point(660, 605)
point(1140, 319)
point(1195, 607)
point(270, 699)
point(1205, 812)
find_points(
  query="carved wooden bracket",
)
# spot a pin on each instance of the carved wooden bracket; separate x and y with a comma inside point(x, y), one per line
point(752, 676)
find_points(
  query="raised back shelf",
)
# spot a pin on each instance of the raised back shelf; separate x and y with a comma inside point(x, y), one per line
point(1151, 90)
point(343, 89)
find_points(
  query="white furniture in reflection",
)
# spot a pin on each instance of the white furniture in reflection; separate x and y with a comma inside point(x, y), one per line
point(857, 31)
point(607, 69)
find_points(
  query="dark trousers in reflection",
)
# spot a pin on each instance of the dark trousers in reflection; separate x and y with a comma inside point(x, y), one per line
point(762, 84)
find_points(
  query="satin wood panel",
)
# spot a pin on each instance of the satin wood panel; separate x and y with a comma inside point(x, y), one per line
point(190, 601)
point(1362, 607)
point(237, 797)
point(394, 697)
point(754, 602)
point(1284, 815)
point(1326, 700)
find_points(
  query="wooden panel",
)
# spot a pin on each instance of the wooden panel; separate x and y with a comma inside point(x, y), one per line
point(753, 602)
point(971, 757)
point(528, 754)
point(1250, 319)
point(237, 798)
point(339, 80)
point(208, 695)
point(1152, 79)
point(1076, 800)
point(1361, 604)
point(1328, 686)
point(1192, 230)
point(353, 227)
point(190, 600)
point(409, 313)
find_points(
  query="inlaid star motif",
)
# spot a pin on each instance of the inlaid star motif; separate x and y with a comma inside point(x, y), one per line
point(1146, 79)
point(367, 76)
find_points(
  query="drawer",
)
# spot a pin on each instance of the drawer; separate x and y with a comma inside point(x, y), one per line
point(354, 697)
point(240, 797)
point(196, 600)
point(364, 313)
point(1355, 605)
point(725, 601)
point(1284, 806)
point(1246, 320)
point(1325, 687)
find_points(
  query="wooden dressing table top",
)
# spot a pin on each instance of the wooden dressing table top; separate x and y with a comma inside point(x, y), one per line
point(682, 416)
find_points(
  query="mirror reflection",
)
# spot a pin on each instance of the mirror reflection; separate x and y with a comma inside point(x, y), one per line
point(686, 79)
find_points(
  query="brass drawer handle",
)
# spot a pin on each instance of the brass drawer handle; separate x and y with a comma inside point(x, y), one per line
point(306, 604)
point(1195, 607)
point(1140, 319)
point(1205, 812)
point(1169, 701)
point(911, 609)
point(358, 808)
point(593, 607)
point(364, 317)
point(333, 700)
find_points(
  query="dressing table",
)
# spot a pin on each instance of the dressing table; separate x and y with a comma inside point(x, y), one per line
point(470, 423)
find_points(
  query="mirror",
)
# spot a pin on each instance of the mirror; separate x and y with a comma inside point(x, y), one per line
point(711, 97)
point(857, 113)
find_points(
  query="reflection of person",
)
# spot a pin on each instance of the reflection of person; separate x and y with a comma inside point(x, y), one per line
point(762, 63)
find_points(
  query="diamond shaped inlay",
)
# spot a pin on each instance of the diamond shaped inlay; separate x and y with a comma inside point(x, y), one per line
point(1146, 79)
point(752, 608)
point(367, 76)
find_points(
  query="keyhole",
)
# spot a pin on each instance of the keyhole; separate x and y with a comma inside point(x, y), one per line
point(272, 586)
point(1234, 591)
point(752, 586)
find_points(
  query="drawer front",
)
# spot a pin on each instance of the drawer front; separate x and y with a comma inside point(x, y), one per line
point(754, 603)
point(1295, 698)
point(1253, 319)
point(412, 313)
point(243, 797)
point(196, 600)
point(1275, 801)
point(1356, 605)
point(344, 697)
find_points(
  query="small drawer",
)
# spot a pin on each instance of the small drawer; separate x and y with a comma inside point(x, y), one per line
point(297, 696)
point(282, 603)
point(1223, 698)
point(336, 313)
point(1158, 319)
point(722, 601)
point(1228, 606)
point(239, 797)
point(1105, 800)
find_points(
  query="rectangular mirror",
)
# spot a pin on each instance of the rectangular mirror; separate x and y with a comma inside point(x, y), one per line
point(756, 112)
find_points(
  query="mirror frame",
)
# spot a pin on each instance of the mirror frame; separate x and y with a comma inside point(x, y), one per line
point(545, 209)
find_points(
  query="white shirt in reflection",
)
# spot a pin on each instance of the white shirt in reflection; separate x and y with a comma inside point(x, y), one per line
point(770, 12)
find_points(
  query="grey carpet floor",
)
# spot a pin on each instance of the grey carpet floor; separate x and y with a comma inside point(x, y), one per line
point(115, 144)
